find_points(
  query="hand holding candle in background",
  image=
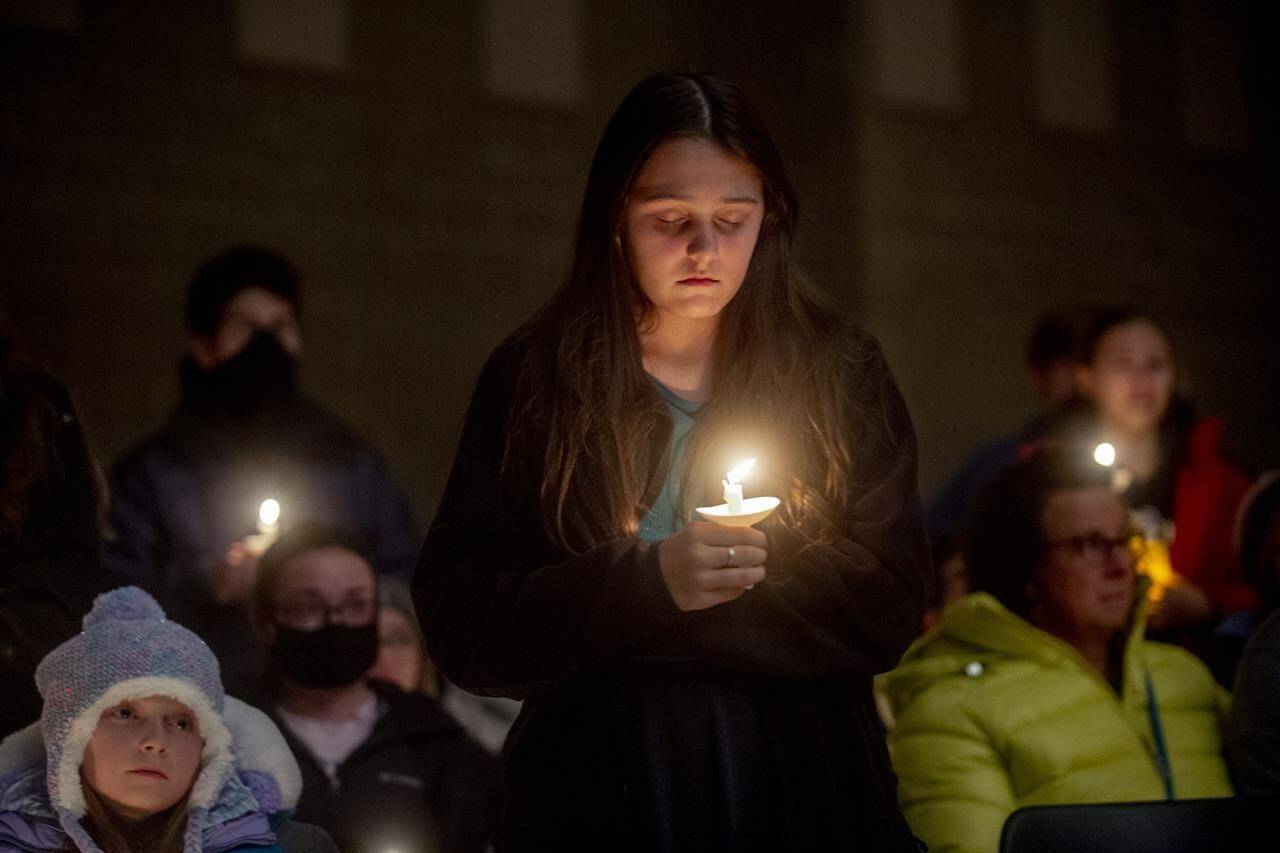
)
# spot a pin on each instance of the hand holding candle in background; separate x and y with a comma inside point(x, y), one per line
point(234, 577)
point(268, 528)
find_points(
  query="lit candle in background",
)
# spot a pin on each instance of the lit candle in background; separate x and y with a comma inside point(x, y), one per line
point(268, 528)
point(1153, 558)
point(733, 485)
point(269, 516)
point(1105, 454)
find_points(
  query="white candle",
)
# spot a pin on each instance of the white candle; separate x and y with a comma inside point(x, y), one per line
point(733, 496)
point(733, 486)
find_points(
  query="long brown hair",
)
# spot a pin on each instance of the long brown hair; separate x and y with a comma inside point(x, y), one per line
point(161, 833)
point(584, 412)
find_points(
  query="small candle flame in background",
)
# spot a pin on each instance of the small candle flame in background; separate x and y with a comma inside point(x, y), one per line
point(268, 514)
point(268, 528)
point(1105, 454)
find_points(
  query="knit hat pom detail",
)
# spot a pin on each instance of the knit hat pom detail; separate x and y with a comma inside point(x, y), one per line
point(127, 604)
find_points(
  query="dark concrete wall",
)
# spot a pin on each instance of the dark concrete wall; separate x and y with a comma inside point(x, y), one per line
point(430, 215)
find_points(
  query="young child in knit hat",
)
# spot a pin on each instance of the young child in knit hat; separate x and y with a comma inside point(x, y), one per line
point(138, 748)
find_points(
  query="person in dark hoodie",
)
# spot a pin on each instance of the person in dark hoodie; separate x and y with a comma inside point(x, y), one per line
point(687, 685)
point(382, 769)
point(52, 497)
point(185, 503)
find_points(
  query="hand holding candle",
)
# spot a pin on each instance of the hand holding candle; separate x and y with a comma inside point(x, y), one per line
point(709, 564)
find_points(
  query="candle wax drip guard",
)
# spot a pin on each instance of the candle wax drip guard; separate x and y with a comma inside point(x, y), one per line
point(753, 510)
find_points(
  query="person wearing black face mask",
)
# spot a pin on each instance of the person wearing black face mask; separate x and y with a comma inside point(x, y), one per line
point(185, 502)
point(382, 769)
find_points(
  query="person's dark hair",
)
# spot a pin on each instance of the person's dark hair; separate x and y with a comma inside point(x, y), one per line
point(162, 833)
point(583, 408)
point(1004, 539)
point(1112, 317)
point(301, 538)
point(1258, 537)
point(34, 411)
point(1060, 335)
point(221, 278)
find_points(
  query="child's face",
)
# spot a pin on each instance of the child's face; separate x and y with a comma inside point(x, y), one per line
point(143, 757)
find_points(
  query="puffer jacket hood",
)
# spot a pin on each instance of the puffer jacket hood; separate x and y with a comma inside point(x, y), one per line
point(263, 789)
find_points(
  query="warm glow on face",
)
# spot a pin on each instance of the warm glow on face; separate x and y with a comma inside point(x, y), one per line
point(736, 475)
point(1105, 454)
point(269, 512)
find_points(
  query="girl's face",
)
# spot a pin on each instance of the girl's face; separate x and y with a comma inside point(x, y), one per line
point(1131, 377)
point(143, 756)
point(399, 655)
point(690, 225)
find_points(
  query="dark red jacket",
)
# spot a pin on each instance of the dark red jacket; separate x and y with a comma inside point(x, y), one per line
point(1209, 491)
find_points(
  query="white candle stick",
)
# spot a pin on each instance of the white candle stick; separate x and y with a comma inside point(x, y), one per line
point(733, 486)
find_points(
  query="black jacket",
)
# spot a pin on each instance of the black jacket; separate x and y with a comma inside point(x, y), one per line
point(1253, 746)
point(744, 726)
point(418, 783)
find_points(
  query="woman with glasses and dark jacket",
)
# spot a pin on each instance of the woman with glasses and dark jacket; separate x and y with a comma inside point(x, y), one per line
point(1038, 688)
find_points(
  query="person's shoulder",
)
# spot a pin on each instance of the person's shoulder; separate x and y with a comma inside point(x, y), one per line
point(295, 837)
point(1265, 639)
point(412, 713)
point(153, 449)
point(852, 340)
point(23, 787)
point(1179, 675)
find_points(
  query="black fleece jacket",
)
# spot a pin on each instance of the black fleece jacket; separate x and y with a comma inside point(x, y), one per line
point(418, 784)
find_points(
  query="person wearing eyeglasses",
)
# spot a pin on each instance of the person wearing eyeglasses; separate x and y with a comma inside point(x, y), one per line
point(382, 769)
point(1038, 687)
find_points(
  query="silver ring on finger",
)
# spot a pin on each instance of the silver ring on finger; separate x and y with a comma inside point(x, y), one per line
point(729, 561)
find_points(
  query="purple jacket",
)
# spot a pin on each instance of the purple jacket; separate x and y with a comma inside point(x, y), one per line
point(262, 794)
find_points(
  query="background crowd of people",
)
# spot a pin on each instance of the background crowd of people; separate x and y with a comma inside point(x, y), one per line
point(1106, 576)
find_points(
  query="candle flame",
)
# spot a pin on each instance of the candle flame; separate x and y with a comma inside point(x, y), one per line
point(1105, 454)
point(269, 512)
point(737, 474)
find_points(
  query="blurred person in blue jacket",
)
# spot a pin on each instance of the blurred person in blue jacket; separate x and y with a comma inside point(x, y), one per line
point(185, 503)
point(1053, 356)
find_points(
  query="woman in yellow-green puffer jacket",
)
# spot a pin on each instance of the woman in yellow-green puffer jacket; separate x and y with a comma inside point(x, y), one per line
point(1039, 688)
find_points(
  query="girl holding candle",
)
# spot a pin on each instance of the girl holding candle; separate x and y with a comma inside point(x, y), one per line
point(688, 686)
